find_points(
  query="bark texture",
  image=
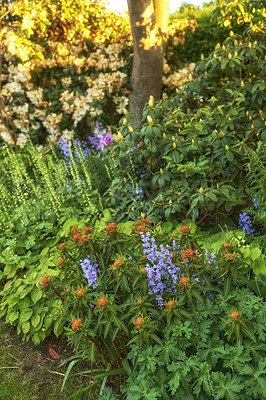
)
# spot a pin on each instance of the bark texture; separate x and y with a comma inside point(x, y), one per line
point(149, 22)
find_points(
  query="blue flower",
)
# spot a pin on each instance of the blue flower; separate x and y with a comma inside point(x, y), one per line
point(162, 274)
point(90, 272)
point(245, 224)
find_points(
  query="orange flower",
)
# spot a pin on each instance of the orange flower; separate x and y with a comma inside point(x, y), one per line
point(234, 315)
point(170, 304)
point(74, 230)
point(116, 264)
point(229, 256)
point(112, 227)
point(139, 301)
point(139, 322)
point(144, 221)
point(61, 261)
point(226, 245)
point(76, 324)
point(188, 254)
point(184, 229)
point(84, 239)
point(62, 246)
point(45, 280)
point(141, 228)
point(80, 292)
point(87, 230)
point(143, 270)
point(76, 237)
point(102, 301)
point(184, 281)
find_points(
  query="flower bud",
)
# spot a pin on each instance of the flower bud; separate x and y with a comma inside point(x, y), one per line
point(242, 84)
point(173, 138)
point(161, 171)
point(124, 122)
point(190, 78)
point(149, 119)
point(164, 135)
point(170, 203)
point(218, 46)
point(201, 190)
point(231, 33)
point(236, 54)
point(227, 148)
point(125, 112)
point(229, 56)
point(174, 145)
point(235, 42)
point(202, 57)
point(223, 47)
point(151, 101)
point(214, 56)
point(131, 130)
point(250, 45)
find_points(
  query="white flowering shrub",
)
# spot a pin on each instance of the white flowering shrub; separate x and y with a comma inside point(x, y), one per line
point(67, 69)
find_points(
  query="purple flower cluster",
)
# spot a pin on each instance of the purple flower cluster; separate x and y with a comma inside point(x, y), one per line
point(209, 258)
point(162, 274)
point(256, 203)
point(100, 139)
point(65, 149)
point(90, 272)
point(245, 224)
point(139, 193)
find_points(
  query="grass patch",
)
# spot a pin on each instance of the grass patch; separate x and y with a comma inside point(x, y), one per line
point(28, 372)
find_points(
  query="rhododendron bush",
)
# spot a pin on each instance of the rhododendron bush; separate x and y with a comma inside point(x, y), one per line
point(66, 67)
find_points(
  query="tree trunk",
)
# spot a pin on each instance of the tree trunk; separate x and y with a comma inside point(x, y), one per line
point(149, 22)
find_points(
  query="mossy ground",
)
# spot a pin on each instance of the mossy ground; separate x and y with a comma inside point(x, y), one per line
point(28, 372)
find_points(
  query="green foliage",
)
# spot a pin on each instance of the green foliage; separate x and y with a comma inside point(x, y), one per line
point(203, 358)
point(108, 293)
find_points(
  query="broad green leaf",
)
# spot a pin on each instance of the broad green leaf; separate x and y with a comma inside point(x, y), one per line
point(26, 315)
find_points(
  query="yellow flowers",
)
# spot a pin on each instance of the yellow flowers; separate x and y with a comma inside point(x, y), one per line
point(149, 119)
point(151, 101)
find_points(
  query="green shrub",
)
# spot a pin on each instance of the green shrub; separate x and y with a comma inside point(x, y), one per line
point(123, 283)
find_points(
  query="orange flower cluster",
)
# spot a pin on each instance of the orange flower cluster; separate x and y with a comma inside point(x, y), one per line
point(139, 301)
point(74, 230)
point(87, 230)
point(84, 239)
point(77, 324)
point(139, 322)
point(227, 245)
point(188, 254)
point(117, 264)
point(143, 270)
point(77, 237)
point(141, 228)
point(45, 280)
point(61, 261)
point(229, 256)
point(80, 292)
point(102, 301)
point(144, 221)
point(234, 315)
point(170, 303)
point(112, 227)
point(184, 229)
point(62, 246)
point(184, 281)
